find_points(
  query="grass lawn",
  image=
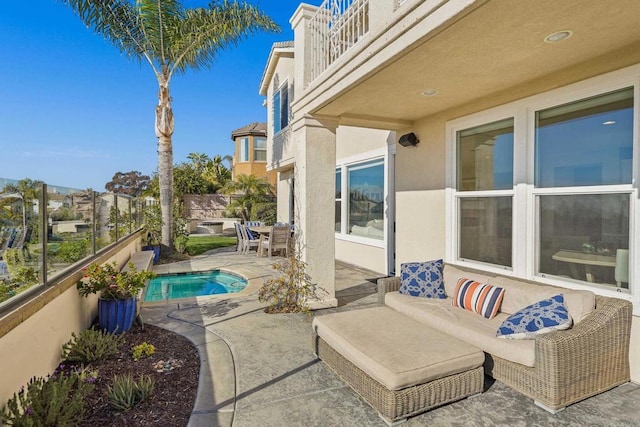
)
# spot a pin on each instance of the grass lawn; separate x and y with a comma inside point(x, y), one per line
point(198, 245)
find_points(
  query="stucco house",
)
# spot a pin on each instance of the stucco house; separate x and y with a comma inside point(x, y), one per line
point(251, 152)
point(495, 135)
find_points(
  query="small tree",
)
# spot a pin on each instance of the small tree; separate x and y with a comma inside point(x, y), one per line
point(246, 191)
point(292, 287)
point(131, 183)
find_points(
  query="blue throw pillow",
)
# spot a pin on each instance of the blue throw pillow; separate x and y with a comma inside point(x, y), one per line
point(539, 318)
point(422, 279)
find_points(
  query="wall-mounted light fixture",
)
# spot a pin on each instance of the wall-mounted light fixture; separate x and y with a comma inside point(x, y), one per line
point(409, 140)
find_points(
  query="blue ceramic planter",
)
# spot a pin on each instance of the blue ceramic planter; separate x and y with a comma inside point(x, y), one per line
point(156, 252)
point(116, 315)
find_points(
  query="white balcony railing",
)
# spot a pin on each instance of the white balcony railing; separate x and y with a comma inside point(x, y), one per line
point(336, 27)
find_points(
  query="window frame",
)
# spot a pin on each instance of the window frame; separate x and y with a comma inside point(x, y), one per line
point(343, 165)
point(281, 112)
point(243, 150)
point(256, 149)
point(526, 221)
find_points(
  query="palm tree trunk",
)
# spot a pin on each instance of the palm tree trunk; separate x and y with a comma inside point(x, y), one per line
point(164, 132)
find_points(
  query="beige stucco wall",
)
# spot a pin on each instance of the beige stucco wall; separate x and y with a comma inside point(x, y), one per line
point(33, 347)
point(366, 256)
point(351, 141)
point(420, 194)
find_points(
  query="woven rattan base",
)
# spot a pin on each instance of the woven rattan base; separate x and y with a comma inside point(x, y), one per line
point(394, 405)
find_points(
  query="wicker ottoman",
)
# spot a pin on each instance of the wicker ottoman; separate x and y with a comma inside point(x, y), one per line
point(399, 366)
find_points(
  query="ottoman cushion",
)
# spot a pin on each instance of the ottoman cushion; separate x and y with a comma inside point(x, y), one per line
point(394, 349)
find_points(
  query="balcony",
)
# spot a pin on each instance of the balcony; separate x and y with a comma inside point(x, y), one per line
point(335, 28)
point(370, 64)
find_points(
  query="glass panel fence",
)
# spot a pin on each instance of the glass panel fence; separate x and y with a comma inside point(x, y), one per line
point(46, 229)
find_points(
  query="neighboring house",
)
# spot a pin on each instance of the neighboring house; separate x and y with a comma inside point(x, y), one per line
point(517, 131)
point(251, 152)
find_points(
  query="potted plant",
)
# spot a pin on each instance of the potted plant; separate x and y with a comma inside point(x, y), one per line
point(152, 217)
point(118, 290)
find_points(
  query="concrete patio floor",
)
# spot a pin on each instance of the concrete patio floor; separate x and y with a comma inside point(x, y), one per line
point(259, 369)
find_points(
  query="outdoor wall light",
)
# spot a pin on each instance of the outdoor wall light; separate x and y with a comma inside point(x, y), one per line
point(409, 140)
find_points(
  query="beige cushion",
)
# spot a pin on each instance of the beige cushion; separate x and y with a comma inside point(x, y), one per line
point(519, 294)
point(394, 349)
point(464, 325)
point(451, 274)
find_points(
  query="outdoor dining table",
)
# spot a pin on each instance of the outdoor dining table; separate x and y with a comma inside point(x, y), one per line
point(574, 258)
point(262, 230)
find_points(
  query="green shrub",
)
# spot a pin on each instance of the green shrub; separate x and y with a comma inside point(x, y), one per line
point(266, 212)
point(142, 350)
point(91, 345)
point(56, 401)
point(125, 393)
point(72, 250)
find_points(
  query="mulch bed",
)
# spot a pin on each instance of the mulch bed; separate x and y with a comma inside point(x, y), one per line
point(174, 393)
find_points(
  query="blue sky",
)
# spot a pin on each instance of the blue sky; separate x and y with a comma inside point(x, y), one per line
point(74, 110)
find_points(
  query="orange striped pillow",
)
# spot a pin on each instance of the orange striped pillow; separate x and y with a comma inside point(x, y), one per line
point(478, 297)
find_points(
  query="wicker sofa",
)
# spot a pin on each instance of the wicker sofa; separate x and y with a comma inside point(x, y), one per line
point(555, 369)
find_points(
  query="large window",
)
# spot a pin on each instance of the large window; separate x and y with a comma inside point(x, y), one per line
point(580, 147)
point(364, 210)
point(548, 193)
point(585, 143)
point(259, 149)
point(485, 166)
point(281, 108)
point(244, 149)
point(485, 157)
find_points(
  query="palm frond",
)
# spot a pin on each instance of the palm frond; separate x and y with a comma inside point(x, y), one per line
point(116, 21)
point(204, 32)
point(157, 18)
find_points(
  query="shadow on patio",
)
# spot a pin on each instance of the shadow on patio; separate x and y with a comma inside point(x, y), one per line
point(260, 369)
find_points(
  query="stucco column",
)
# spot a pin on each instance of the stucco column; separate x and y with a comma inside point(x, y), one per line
point(315, 167)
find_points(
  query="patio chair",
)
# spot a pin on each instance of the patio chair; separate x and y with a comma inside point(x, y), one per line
point(253, 223)
point(239, 236)
point(250, 241)
point(277, 239)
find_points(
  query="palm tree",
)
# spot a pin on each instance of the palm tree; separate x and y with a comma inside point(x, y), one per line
point(216, 172)
point(199, 160)
point(171, 39)
point(248, 191)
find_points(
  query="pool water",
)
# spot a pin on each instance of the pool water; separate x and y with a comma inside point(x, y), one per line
point(189, 285)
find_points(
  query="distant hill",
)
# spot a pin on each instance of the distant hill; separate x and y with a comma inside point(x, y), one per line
point(50, 188)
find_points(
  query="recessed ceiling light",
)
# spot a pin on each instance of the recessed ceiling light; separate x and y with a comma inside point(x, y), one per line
point(609, 122)
point(429, 92)
point(558, 36)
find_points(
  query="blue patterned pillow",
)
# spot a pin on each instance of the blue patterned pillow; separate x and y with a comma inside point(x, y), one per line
point(539, 318)
point(422, 279)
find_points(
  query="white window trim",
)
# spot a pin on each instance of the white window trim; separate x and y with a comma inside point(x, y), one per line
point(343, 164)
point(259, 149)
point(524, 194)
point(288, 110)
